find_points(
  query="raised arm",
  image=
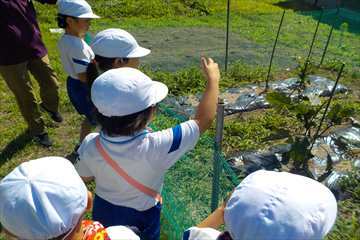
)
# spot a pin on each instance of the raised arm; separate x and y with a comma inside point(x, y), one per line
point(214, 220)
point(206, 110)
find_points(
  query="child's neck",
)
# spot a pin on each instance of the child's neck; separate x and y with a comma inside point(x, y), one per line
point(74, 33)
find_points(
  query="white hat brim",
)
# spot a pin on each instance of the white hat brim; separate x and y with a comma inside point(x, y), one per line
point(139, 52)
point(88, 15)
point(159, 91)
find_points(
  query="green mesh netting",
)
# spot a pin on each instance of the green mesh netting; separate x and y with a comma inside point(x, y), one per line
point(188, 184)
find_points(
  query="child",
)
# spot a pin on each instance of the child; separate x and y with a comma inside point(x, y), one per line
point(46, 199)
point(75, 16)
point(271, 205)
point(127, 161)
point(114, 48)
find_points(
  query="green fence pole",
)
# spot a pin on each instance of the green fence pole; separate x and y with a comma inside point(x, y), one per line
point(307, 61)
point(227, 36)
point(273, 51)
point(326, 46)
point(314, 36)
point(327, 105)
point(217, 155)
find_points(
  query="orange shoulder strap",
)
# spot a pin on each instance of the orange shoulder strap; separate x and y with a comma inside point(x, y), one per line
point(133, 182)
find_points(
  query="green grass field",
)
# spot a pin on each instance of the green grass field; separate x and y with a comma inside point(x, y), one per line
point(178, 32)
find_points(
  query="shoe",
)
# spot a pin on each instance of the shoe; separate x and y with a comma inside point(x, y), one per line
point(73, 157)
point(56, 116)
point(43, 139)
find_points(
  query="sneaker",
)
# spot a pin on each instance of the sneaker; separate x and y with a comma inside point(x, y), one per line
point(56, 116)
point(43, 139)
point(73, 157)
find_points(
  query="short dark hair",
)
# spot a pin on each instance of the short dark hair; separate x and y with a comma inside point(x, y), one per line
point(101, 63)
point(224, 236)
point(61, 20)
point(125, 125)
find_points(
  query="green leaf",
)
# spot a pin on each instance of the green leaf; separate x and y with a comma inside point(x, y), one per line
point(300, 152)
point(338, 113)
point(278, 100)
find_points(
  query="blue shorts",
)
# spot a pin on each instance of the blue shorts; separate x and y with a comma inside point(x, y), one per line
point(147, 222)
point(79, 95)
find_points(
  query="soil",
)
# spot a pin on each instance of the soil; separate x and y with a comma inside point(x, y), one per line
point(176, 48)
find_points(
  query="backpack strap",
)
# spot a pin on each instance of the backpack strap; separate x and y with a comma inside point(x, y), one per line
point(133, 182)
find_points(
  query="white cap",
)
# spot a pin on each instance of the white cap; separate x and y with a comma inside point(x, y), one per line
point(121, 233)
point(280, 205)
point(117, 43)
point(76, 8)
point(42, 199)
point(124, 91)
point(195, 233)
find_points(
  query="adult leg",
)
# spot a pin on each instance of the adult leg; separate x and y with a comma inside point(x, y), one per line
point(18, 80)
point(45, 75)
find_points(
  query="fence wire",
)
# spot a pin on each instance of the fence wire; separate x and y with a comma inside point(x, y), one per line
point(188, 184)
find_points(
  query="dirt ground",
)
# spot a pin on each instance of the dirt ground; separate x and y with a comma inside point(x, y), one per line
point(176, 48)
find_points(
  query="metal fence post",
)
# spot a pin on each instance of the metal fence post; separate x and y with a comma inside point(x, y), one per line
point(326, 46)
point(227, 36)
point(273, 51)
point(314, 36)
point(217, 164)
point(328, 105)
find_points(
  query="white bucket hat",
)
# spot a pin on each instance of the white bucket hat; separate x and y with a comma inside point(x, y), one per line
point(280, 205)
point(117, 43)
point(195, 233)
point(121, 233)
point(124, 91)
point(76, 8)
point(42, 199)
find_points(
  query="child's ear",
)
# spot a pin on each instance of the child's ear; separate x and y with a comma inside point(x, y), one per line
point(68, 20)
point(117, 63)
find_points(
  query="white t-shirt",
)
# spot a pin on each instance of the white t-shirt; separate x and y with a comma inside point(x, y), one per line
point(195, 233)
point(75, 55)
point(145, 157)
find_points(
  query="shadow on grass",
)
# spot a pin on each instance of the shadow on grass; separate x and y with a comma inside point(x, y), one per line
point(297, 5)
point(344, 18)
point(14, 146)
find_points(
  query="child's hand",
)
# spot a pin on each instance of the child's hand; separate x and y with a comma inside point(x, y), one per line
point(210, 69)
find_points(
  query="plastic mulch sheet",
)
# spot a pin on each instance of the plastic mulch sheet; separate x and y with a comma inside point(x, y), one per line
point(250, 97)
point(249, 162)
point(341, 145)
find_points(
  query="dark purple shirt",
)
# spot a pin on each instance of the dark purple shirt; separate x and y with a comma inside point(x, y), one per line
point(20, 37)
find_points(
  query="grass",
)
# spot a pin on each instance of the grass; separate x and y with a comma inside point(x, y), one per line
point(254, 22)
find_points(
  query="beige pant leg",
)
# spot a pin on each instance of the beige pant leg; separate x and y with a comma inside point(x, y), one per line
point(47, 79)
point(18, 80)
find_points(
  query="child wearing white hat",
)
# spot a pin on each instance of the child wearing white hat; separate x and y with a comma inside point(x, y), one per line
point(74, 16)
point(270, 205)
point(127, 161)
point(46, 199)
point(114, 48)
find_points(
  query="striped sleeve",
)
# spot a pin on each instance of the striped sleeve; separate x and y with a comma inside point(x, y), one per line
point(81, 55)
point(171, 144)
